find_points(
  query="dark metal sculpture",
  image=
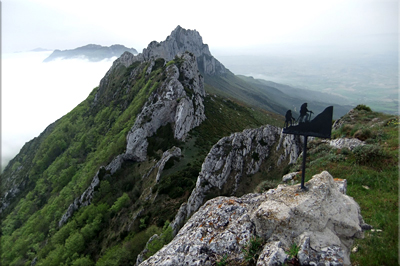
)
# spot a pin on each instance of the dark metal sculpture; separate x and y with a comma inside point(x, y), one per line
point(320, 126)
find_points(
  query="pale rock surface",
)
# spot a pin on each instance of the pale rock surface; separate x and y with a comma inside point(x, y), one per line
point(349, 143)
point(289, 144)
point(234, 157)
point(170, 103)
point(321, 220)
point(174, 152)
point(289, 177)
point(179, 41)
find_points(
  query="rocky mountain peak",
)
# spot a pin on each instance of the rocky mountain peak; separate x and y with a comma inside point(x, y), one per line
point(178, 101)
point(179, 41)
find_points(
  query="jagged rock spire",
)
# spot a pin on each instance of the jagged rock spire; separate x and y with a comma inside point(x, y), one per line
point(181, 40)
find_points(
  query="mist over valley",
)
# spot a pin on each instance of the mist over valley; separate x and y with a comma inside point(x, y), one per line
point(35, 94)
point(350, 77)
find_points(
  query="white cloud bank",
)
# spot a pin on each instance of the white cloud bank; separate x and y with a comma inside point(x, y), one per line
point(35, 94)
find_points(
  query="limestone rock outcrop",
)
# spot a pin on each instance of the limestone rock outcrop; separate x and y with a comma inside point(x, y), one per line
point(181, 40)
point(234, 157)
point(173, 152)
point(178, 101)
point(349, 143)
point(321, 220)
point(177, 43)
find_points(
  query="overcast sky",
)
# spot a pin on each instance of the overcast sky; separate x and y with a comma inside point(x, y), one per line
point(60, 24)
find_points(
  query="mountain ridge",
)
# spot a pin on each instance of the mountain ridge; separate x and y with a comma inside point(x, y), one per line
point(121, 166)
point(92, 52)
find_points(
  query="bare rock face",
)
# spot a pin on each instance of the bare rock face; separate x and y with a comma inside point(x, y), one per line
point(321, 220)
point(173, 152)
point(180, 41)
point(234, 157)
point(349, 143)
point(179, 101)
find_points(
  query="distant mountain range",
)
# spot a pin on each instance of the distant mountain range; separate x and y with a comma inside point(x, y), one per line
point(92, 52)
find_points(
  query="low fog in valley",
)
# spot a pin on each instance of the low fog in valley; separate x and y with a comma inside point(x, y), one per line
point(38, 94)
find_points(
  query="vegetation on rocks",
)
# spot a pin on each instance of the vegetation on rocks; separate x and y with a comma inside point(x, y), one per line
point(371, 171)
point(70, 153)
point(129, 206)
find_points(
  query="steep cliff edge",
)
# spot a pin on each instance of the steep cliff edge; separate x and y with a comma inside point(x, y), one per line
point(321, 222)
point(176, 100)
point(236, 157)
point(182, 40)
point(15, 177)
point(179, 100)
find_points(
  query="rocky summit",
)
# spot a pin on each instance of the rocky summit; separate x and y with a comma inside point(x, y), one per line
point(177, 101)
point(179, 41)
point(321, 222)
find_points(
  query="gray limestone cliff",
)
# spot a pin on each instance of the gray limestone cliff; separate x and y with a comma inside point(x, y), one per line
point(234, 158)
point(177, 101)
point(321, 221)
point(178, 42)
point(182, 40)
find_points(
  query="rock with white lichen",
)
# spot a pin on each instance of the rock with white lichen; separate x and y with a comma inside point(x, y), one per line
point(321, 221)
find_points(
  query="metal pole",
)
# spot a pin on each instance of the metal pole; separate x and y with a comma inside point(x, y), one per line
point(303, 172)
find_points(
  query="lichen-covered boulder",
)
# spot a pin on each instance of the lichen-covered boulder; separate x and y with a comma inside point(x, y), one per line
point(349, 143)
point(321, 220)
point(233, 158)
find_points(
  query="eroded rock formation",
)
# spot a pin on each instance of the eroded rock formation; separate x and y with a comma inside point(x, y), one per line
point(182, 40)
point(349, 143)
point(322, 221)
point(177, 101)
point(234, 157)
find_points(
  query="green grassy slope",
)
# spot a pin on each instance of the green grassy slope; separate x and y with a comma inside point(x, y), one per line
point(65, 160)
point(269, 96)
point(233, 87)
point(372, 173)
